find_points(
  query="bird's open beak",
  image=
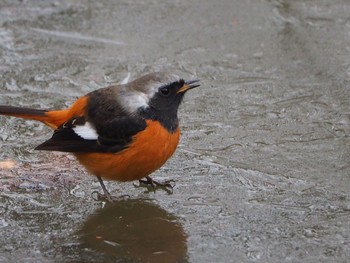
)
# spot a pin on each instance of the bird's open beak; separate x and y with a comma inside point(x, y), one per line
point(191, 84)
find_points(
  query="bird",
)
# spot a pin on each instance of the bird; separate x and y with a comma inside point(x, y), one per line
point(122, 132)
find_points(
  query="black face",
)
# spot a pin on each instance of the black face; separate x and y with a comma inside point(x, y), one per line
point(165, 103)
point(167, 98)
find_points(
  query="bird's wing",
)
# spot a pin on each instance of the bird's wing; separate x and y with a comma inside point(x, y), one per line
point(80, 135)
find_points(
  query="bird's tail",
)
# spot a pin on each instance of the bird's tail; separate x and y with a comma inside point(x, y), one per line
point(50, 118)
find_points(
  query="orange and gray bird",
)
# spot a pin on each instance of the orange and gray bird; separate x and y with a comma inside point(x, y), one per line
point(121, 132)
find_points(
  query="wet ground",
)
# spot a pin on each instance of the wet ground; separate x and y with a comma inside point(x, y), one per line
point(262, 171)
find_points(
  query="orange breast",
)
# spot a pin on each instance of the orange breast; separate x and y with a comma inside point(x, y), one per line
point(150, 149)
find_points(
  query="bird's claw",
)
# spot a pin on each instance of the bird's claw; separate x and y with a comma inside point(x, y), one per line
point(97, 196)
point(167, 185)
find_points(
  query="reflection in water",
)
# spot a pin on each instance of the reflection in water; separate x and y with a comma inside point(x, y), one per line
point(135, 230)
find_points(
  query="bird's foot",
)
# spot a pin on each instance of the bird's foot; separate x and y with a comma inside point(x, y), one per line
point(106, 196)
point(97, 196)
point(168, 185)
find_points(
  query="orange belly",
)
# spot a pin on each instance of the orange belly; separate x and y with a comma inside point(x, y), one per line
point(150, 149)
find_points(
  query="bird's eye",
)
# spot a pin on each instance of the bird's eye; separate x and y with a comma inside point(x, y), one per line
point(165, 91)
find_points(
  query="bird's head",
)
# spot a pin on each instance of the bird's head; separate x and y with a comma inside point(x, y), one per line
point(159, 91)
point(156, 96)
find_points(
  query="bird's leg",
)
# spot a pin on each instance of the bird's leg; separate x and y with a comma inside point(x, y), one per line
point(107, 195)
point(168, 185)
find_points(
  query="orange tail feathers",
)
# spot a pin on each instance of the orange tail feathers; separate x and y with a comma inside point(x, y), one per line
point(52, 119)
point(30, 114)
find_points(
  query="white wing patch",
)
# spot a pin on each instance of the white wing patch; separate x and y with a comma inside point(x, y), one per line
point(86, 131)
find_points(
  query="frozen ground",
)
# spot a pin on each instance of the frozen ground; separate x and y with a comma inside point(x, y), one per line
point(262, 171)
